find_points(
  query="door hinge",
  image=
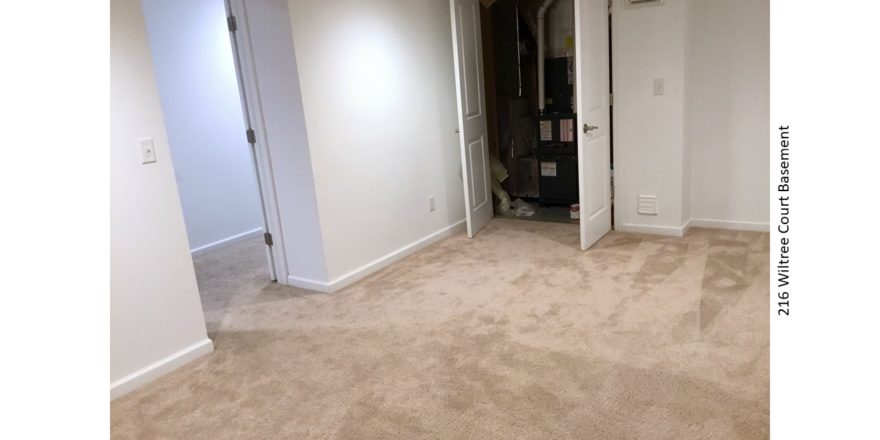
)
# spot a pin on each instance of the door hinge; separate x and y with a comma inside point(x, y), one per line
point(251, 136)
point(267, 237)
point(231, 24)
point(611, 99)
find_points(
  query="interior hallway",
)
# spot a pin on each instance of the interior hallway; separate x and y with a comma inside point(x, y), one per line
point(514, 335)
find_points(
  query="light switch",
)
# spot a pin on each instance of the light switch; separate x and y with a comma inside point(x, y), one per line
point(659, 86)
point(148, 150)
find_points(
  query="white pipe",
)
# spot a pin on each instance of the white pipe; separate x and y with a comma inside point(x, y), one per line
point(541, 12)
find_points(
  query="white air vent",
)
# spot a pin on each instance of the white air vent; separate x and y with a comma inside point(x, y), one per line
point(640, 3)
point(647, 205)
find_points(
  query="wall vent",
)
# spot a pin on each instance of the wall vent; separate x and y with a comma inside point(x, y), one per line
point(640, 3)
point(647, 205)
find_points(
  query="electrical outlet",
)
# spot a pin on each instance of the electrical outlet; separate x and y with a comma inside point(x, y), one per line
point(659, 86)
point(431, 205)
point(148, 150)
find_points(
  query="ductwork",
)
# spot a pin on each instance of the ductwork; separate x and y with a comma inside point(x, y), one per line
point(541, 91)
point(518, 57)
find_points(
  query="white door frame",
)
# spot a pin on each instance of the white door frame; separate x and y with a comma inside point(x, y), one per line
point(253, 115)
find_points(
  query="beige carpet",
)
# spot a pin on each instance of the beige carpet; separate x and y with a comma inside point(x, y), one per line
point(514, 335)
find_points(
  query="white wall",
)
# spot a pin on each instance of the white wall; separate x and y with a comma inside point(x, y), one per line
point(378, 90)
point(374, 132)
point(156, 320)
point(648, 43)
point(701, 148)
point(729, 103)
point(200, 99)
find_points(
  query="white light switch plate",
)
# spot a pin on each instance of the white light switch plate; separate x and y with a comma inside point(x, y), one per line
point(431, 205)
point(148, 150)
point(659, 86)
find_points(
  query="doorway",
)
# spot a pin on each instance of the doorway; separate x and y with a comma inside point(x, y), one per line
point(535, 135)
point(530, 137)
point(218, 168)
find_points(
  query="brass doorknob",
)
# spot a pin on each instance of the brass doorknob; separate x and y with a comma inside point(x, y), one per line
point(588, 128)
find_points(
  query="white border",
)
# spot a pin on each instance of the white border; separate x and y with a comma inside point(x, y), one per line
point(672, 231)
point(226, 242)
point(380, 263)
point(680, 231)
point(160, 368)
point(729, 224)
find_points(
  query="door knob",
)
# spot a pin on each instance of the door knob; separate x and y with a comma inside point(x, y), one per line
point(588, 128)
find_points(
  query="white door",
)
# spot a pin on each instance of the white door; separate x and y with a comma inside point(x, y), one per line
point(255, 159)
point(472, 132)
point(264, 62)
point(594, 145)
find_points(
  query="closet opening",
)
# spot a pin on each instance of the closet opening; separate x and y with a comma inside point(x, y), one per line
point(531, 108)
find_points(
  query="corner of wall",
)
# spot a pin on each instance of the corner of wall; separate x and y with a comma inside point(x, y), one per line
point(155, 307)
point(687, 144)
point(650, 133)
point(372, 178)
point(271, 77)
point(727, 74)
point(149, 373)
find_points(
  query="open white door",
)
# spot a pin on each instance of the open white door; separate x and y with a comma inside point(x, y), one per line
point(258, 72)
point(594, 146)
point(468, 54)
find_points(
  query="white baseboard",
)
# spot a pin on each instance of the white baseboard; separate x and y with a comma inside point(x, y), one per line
point(729, 224)
point(377, 264)
point(226, 241)
point(672, 231)
point(679, 231)
point(160, 368)
point(308, 284)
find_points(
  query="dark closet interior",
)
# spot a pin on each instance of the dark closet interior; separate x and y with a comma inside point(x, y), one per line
point(534, 149)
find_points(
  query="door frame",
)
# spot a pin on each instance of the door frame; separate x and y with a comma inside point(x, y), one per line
point(615, 164)
point(613, 200)
point(243, 58)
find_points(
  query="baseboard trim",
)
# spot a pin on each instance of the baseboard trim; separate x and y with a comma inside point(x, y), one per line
point(160, 368)
point(226, 241)
point(393, 257)
point(672, 231)
point(377, 264)
point(308, 284)
point(730, 224)
point(687, 227)
point(680, 231)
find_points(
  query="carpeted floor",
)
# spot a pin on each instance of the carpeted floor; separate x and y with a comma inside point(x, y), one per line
point(513, 335)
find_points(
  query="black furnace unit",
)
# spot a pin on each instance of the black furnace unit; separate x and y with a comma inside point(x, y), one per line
point(557, 159)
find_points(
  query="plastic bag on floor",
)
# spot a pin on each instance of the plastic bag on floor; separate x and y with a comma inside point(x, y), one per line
point(523, 208)
point(502, 206)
